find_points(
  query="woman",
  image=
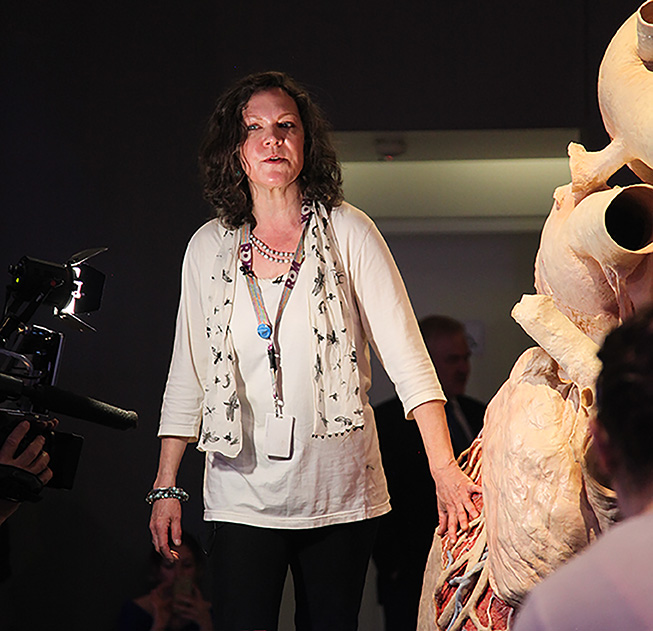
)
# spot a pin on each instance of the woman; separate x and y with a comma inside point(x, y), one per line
point(281, 294)
point(175, 601)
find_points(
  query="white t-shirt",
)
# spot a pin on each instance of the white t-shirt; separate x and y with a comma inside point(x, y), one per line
point(326, 480)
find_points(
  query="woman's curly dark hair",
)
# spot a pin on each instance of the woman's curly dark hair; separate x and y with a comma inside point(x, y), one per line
point(225, 184)
point(625, 392)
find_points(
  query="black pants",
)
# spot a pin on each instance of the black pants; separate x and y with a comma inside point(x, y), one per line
point(328, 565)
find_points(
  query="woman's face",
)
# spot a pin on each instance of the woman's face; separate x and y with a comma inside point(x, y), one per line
point(273, 152)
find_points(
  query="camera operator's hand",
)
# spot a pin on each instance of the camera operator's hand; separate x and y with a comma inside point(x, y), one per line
point(33, 460)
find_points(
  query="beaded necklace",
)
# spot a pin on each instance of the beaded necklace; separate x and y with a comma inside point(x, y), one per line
point(276, 256)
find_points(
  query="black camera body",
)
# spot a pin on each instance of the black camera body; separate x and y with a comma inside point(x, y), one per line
point(34, 358)
point(29, 362)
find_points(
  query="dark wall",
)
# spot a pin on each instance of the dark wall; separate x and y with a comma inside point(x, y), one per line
point(102, 108)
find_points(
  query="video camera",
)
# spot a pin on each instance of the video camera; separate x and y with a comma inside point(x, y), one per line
point(29, 362)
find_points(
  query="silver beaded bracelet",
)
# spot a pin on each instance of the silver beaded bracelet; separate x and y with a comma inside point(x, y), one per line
point(167, 492)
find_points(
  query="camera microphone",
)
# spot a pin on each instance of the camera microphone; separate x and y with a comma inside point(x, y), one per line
point(75, 405)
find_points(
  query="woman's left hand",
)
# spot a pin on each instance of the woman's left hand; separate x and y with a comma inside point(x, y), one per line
point(454, 488)
point(455, 505)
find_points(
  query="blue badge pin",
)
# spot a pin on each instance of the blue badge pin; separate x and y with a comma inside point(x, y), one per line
point(264, 330)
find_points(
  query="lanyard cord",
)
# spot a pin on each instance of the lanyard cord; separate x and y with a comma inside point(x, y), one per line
point(264, 328)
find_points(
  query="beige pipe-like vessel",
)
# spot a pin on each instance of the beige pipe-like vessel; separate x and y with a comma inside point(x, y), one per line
point(589, 251)
point(645, 33)
point(625, 96)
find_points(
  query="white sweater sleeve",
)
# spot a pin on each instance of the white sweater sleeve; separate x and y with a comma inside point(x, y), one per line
point(181, 411)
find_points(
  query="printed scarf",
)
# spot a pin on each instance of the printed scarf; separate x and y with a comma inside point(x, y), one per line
point(335, 376)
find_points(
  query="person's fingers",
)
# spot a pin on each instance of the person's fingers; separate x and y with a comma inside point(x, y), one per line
point(40, 463)
point(462, 518)
point(452, 524)
point(166, 521)
point(30, 458)
point(45, 476)
point(156, 528)
point(457, 516)
point(47, 425)
point(175, 530)
point(470, 507)
point(8, 449)
point(160, 541)
point(450, 528)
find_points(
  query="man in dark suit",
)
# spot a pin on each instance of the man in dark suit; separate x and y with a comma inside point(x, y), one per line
point(406, 533)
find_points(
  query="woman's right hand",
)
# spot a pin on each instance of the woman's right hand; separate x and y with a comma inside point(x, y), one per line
point(165, 524)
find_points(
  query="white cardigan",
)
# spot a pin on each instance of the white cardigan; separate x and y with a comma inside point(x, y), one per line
point(327, 480)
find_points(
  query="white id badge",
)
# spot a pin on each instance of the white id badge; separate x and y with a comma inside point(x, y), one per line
point(278, 435)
